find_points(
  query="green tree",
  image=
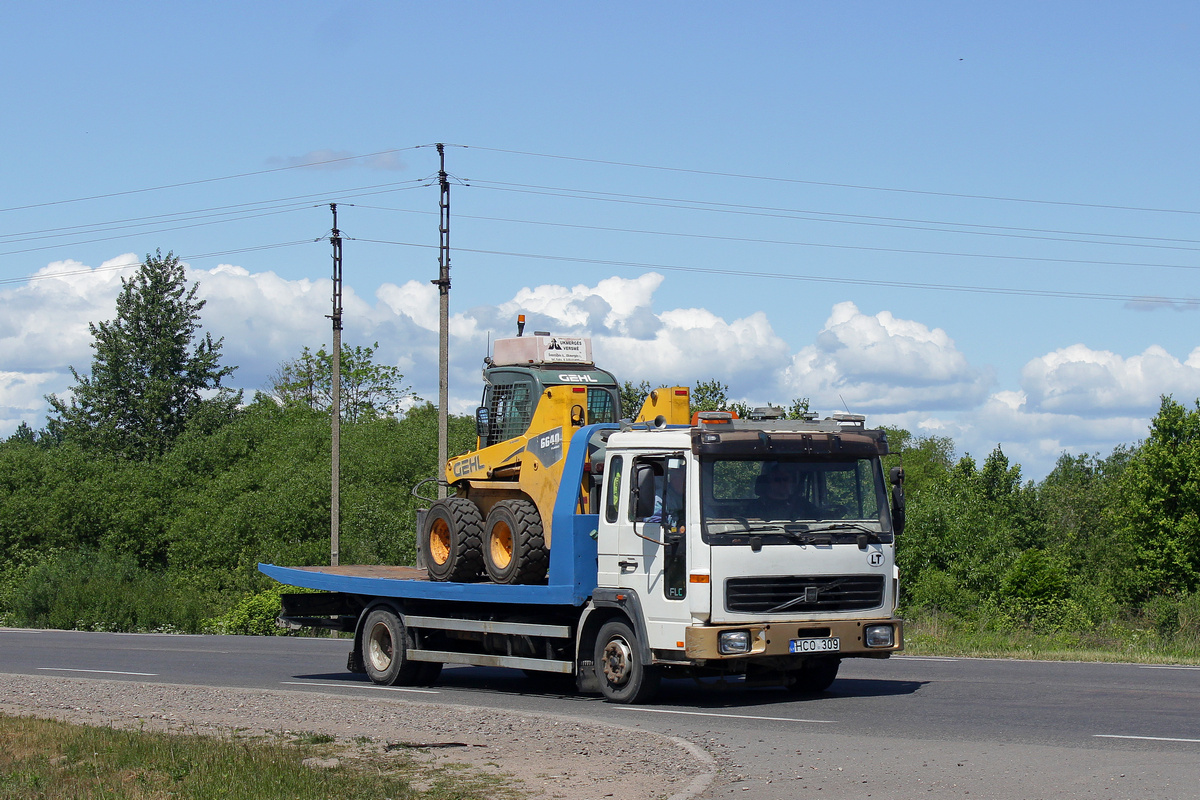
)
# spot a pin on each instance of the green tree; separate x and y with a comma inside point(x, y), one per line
point(632, 397)
point(925, 459)
point(709, 396)
point(150, 372)
point(1160, 510)
point(368, 390)
point(23, 434)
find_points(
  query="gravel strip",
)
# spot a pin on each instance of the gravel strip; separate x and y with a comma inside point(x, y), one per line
point(548, 756)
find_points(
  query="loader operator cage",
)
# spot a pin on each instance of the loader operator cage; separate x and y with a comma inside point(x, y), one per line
point(511, 396)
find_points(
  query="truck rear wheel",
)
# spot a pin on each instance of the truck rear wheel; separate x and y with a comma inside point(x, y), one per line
point(385, 652)
point(622, 675)
point(451, 540)
point(514, 548)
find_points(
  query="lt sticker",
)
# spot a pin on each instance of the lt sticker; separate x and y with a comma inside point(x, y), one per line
point(875, 558)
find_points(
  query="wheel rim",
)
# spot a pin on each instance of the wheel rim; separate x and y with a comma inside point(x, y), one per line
point(618, 658)
point(500, 545)
point(379, 647)
point(439, 541)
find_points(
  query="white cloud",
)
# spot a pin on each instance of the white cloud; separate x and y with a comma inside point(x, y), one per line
point(882, 364)
point(901, 372)
point(44, 323)
point(1099, 383)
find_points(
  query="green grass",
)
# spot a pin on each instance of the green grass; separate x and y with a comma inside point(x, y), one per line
point(1125, 641)
point(49, 760)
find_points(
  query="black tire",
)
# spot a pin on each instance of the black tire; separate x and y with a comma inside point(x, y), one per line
point(428, 673)
point(619, 669)
point(385, 650)
point(816, 676)
point(514, 548)
point(450, 543)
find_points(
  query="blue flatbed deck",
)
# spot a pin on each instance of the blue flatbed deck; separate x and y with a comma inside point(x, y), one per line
point(572, 573)
point(413, 583)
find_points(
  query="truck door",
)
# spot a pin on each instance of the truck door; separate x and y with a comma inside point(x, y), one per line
point(651, 543)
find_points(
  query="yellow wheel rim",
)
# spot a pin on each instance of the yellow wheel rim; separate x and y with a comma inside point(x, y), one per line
point(500, 545)
point(439, 542)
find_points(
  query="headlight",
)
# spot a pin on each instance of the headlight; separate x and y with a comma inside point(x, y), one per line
point(731, 642)
point(880, 636)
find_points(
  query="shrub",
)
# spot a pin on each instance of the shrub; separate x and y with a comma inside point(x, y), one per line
point(253, 615)
point(935, 590)
point(99, 590)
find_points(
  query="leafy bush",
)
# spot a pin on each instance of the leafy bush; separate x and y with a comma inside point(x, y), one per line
point(253, 615)
point(1035, 577)
point(99, 590)
point(936, 590)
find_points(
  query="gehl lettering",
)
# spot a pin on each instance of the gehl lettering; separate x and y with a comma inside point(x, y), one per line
point(467, 466)
point(568, 378)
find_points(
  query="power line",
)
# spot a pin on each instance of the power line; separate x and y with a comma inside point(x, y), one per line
point(1189, 301)
point(299, 201)
point(119, 267)
point(208, 180)
point(144, 233)
point(779, 179)
point(828, 216)
point(793, 243)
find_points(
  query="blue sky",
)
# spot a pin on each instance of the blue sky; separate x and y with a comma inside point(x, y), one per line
point(975, 221)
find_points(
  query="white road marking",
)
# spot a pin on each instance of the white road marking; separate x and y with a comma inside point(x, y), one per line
point(1144, 738)
point(1165, 666)
point(100, 671)
point(727, 716)
point(361, 686)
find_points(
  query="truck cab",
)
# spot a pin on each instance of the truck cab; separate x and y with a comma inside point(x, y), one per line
point(766, 545)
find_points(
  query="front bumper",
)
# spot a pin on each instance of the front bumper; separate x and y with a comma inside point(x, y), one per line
point(773, 639)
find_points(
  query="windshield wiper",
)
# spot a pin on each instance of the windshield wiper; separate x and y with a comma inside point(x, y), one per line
point(783, 529)
point(872, 535)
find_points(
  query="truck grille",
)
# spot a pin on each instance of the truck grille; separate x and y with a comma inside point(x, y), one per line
point(791, 593)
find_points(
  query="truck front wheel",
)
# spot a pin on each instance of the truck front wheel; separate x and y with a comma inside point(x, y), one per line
point(622, 675)
point(815, 676)
point(514, 548)
point(451, 540)
point(385, 653)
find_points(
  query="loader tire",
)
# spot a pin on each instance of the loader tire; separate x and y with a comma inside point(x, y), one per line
point(452, 539)
point(514, 547)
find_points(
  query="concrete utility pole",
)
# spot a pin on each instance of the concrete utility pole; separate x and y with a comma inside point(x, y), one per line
point(335, 238)
point(443, 284)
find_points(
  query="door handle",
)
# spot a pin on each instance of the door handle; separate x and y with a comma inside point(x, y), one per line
point(624, 565)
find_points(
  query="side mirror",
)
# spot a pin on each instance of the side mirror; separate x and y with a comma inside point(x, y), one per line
point(482, 423)
point(896, 477)
point(644, 493)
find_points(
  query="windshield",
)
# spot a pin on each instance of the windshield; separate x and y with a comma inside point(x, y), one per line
point(790, 498)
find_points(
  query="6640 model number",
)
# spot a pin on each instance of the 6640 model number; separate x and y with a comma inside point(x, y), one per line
point(831, 645)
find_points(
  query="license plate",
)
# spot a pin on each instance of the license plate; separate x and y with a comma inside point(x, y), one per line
point(831, 645)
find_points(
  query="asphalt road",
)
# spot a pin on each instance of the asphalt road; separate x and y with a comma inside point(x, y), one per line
point(904, 727)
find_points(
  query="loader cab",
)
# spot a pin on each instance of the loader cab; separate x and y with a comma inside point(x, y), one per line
point(511, 395)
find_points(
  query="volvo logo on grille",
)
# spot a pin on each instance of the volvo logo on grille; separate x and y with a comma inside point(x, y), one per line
point(811, 593)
